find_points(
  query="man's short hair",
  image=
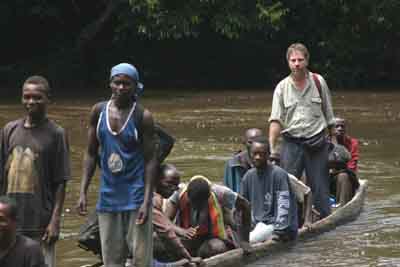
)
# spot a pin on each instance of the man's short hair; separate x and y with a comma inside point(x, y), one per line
point(338, 119)
point(298, 47)
point(251, 133)
point(39, 80)
point(12, 206)
point(167, 167)
point(198, 189)
point(262, 140)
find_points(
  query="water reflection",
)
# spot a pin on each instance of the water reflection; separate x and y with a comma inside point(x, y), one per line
point(208, 126)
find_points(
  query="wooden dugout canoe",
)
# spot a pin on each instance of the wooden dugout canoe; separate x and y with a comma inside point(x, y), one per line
point(349, 212)
point(342, 215)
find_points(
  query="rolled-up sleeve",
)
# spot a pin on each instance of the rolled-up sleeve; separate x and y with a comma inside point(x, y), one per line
point(277, 105)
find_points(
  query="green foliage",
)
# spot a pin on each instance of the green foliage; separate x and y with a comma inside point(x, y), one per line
point(352, 42)
point(163, 19)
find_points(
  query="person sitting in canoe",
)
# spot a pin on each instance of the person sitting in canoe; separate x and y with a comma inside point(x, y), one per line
point(344, 166)
point(273, 205)
point(240, 163)
point(203, 212)
point(167, 245)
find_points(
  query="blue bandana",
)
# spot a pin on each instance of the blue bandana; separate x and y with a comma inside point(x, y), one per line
point(129, 70)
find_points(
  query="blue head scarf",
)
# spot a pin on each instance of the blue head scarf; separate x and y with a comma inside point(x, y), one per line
point(129, 70)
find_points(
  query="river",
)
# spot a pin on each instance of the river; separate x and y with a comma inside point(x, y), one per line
point(208, 125)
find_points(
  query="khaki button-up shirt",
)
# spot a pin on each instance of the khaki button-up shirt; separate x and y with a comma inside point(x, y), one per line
point(302, 113)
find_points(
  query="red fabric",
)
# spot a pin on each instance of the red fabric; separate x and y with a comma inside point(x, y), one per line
point(353, 147)
point(213, 215)
point(185, 215)
point(184, 207)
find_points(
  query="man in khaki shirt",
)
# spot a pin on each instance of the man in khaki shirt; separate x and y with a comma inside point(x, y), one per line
point(301, 111)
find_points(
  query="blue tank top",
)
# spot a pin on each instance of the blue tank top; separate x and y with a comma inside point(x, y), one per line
point(122, 165)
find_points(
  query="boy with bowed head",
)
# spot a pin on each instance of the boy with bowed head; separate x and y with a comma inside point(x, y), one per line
point(203, 210)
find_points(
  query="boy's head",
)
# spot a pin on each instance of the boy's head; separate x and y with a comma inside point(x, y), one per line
point(35, 95)
point(198, 192)
point(124, 81)
point(259, 152)
point(340, 126)
point(41, 82)
point(249, 135)
point(169, 180)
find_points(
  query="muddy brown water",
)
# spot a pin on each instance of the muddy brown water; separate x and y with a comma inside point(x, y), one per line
point(208, 125)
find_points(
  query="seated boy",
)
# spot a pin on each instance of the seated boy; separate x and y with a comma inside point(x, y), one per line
point(344, 166)
point(273, 206)
point(202, 218)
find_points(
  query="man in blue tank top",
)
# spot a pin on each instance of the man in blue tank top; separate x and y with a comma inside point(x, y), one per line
point(125, 152)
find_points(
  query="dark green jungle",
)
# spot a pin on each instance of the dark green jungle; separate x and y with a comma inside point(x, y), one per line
point(198, 43)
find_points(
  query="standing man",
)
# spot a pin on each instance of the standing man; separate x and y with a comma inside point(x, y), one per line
point(301, 112)
point(124, 147)
point(35, 166)
point(16, 250)
point(238, 165)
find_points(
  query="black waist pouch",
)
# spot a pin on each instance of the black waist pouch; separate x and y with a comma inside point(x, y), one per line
point(313, 143)
point(316, 142)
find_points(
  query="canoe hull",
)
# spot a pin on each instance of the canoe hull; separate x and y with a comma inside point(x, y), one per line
point(349, 212)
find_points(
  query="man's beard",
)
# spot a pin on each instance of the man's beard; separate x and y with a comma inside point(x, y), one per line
point(298, 73)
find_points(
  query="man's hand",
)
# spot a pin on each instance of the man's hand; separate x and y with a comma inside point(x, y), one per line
point(81, 207)
point(305, 226)
point(142, 214)
point(188, 233)
point(52, 232)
